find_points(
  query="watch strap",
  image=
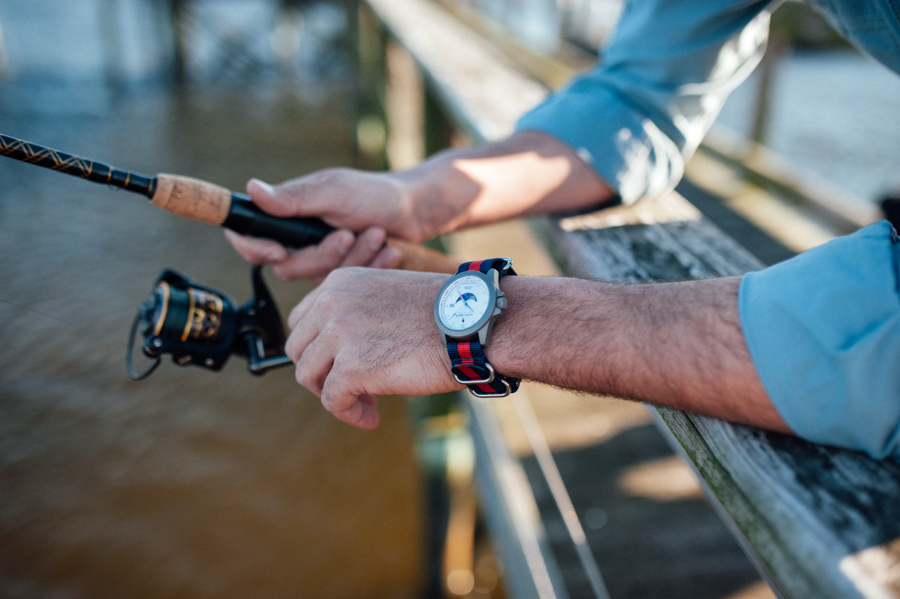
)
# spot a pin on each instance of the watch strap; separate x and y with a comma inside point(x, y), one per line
point(471, 368)
point(469, 364)
point(501, 265)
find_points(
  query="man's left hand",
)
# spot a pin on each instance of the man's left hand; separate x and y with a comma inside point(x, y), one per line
point(366, 332)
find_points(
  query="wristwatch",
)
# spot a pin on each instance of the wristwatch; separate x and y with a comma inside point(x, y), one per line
point(465, 311)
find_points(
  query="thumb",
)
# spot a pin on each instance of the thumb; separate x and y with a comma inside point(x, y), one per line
point(273, 200)
point(358, 411)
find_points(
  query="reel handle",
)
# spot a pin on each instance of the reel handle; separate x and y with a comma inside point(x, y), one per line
point(257, 362)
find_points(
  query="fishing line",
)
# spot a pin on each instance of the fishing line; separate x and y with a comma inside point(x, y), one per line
point(550, 470)
point(69, 324)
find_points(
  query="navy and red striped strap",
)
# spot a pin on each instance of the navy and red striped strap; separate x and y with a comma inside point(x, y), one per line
point(501, 265)
point(469, 364)
point(471, 368)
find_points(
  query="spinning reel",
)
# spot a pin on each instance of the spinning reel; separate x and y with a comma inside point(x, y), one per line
point(201, 326)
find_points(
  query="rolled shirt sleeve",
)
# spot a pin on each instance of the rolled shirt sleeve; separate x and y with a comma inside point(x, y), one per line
point(642, 111)
point(823, 330)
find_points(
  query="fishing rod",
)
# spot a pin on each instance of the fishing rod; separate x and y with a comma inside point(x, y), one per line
point(208, 203)
point(194, 323)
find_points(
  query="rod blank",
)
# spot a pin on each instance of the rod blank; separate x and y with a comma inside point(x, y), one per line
point(77, 166)
point(208, 203)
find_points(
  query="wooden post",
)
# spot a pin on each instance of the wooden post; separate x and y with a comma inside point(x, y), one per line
point(763, 100)
point(177, 14)
point(371, 133)
point(439, 131)
point(404, 107)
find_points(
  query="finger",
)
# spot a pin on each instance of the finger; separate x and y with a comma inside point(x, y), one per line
point(305, 305)
point(358, 411)
point(303, 331)
point(312, 195)
point(271, 199)
point(314, 365)
point(369, 400)
point(316, 260)
point(368, 244)
point(256, 251)
point(389, 257)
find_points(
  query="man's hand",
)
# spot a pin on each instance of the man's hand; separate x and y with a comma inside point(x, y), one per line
point(375, 204)
point(528, 173)
point(367, 332)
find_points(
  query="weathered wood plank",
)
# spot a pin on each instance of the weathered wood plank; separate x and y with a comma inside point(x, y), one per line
point(511, 512)
point(481, 89)
point(821, 521)
point(483, 95)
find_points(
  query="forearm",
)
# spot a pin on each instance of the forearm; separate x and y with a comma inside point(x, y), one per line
point(676, 344)
point(528, 173)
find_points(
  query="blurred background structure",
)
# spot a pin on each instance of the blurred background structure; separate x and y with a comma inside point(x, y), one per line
point(192, 484)
point(195, 484)
point(827, 108)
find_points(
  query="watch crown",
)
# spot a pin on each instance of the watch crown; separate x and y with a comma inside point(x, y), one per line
point(502, 303)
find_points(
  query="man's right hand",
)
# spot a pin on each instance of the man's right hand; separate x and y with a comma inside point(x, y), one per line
point(528, 173)
point(375, 204)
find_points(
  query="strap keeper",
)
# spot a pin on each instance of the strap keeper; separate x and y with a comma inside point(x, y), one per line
point(487, 381)
point(508, 391)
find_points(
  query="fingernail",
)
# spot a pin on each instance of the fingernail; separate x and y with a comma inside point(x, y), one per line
point(394, 256)
point(346, 241)
point(377, 239)
point(265, 187)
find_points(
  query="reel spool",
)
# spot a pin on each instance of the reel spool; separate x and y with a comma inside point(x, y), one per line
point(200, 326)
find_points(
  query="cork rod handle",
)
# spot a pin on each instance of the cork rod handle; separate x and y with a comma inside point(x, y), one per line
point(212, 204)
point(192, 198)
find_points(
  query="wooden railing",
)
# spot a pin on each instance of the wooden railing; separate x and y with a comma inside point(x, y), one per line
point(818, 521)
point(842, 211)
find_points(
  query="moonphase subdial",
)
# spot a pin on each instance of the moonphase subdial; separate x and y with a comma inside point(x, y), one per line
point(463, 303)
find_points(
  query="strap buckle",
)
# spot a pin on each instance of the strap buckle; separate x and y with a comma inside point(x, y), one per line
point(486, 381)
point(507, 264)
point(484, 395)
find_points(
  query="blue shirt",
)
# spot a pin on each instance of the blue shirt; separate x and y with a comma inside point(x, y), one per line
point(822, 328)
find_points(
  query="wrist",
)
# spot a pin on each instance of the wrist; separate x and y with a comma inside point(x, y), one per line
point(465, 311)
point(549, 326)
point(407, 194)
point(525, 174)
point(435, 194)
point(507, 352)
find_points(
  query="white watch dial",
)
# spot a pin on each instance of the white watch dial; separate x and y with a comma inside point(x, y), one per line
point(463, 302)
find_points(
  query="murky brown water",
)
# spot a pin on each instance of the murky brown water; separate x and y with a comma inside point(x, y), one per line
point(189, 484)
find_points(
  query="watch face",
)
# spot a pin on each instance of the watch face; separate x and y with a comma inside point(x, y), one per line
point(463, 302)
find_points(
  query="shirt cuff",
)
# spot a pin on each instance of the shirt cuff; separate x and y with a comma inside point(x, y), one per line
point(823, 330)
point(626, 149)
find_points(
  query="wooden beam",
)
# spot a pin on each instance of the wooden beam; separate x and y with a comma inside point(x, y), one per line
point(483, 95)
point(820, 522)
point(480, 88)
